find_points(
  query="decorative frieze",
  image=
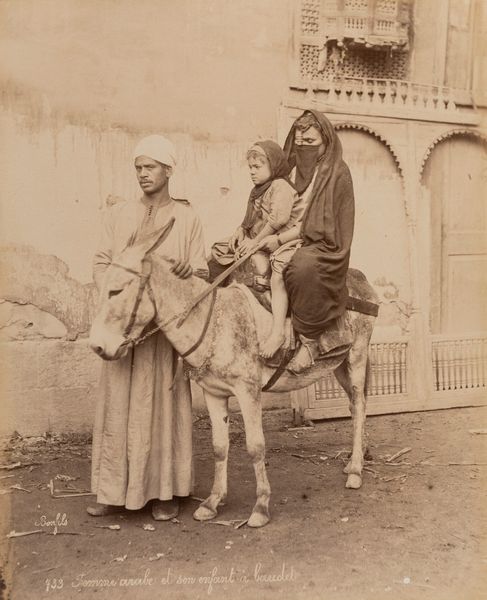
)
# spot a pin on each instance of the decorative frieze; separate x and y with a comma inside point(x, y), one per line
point(377, 135)
point(392, 98)
point(448, 134)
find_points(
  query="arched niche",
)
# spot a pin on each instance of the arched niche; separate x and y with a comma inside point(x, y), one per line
point(454, 179)
point(380, 244)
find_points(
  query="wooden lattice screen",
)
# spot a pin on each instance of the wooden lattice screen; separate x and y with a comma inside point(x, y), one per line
point(388, 370)
point(459, 363)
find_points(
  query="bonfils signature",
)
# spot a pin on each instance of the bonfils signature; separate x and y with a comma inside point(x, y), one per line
point(61, 520)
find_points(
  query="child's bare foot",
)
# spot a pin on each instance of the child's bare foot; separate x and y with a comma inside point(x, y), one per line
point(272, 344)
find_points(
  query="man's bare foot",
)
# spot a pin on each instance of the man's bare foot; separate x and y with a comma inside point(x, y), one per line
point(272, 344)
point(165, 510)
point(103, 510)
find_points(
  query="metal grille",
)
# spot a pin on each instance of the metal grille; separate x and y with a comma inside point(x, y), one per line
point(388, 370)
point(459, 363)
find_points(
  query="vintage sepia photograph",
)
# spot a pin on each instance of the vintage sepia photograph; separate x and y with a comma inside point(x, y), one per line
point(243, 326)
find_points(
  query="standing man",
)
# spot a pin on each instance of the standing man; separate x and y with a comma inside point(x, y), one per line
point(142, 438)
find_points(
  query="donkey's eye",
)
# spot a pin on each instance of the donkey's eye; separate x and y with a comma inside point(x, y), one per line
point(112, 293)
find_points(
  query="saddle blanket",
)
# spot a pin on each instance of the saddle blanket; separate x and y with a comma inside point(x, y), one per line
point(337, 335)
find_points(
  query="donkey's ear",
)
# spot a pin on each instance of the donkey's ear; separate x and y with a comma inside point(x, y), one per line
point(155, 239)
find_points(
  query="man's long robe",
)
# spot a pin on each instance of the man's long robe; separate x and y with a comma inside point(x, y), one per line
point(142, 437)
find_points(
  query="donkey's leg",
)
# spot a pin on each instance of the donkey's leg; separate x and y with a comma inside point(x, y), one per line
point(351, 375)
point(251, 408)
point(343, 377)
point(218, 410)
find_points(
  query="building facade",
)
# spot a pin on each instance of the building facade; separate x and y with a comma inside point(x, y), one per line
point(402, 81)
point(404, 84)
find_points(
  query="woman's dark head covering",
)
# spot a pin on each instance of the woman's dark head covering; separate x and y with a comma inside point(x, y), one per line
point(332, 175)
point(305, 165)
point(279, 168)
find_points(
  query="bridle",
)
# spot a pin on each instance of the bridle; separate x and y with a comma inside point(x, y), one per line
point(144, 276)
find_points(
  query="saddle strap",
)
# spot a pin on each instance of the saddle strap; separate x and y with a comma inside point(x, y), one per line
point(179, 367)
point(205, 327)
point(362, 306)
point(280, 369)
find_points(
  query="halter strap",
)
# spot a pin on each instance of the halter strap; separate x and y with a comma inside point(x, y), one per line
point(144, 277)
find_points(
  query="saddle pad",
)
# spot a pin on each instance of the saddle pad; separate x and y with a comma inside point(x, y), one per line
point(263, 324)
point(337, 335)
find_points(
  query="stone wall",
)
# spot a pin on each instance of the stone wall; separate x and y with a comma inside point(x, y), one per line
point(82, 81)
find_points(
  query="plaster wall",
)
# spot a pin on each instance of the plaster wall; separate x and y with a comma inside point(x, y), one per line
point(211, 68)
point(380, 243)
point(82, 81)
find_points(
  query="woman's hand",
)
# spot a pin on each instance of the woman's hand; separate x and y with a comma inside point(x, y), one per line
point(182, 269)
point(270, 243)
point(246, 245)
point(236, 239)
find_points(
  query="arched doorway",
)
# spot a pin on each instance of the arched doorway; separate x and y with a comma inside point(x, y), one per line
point(455, 178)
point(380, 242)
point(454, 181)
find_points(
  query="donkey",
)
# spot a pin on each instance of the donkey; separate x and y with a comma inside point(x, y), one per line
point(219, 339)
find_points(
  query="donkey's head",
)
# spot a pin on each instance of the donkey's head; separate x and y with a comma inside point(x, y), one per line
point(126, 303)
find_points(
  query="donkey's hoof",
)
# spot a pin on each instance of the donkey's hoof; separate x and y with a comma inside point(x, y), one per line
point(203, 513)
point(258, 519)
point(353, 481)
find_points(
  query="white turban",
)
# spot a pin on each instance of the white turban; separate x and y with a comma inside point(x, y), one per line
point(158, 148)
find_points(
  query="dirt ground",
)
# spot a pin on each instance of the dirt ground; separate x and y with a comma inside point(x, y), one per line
point(416, 528)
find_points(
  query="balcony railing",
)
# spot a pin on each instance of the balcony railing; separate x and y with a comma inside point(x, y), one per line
point(392, 97)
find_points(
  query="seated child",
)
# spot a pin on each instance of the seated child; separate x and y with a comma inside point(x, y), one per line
point(271, 220)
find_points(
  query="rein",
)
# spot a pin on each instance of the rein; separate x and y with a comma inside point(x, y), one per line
point(215, 283)
point(144, 277)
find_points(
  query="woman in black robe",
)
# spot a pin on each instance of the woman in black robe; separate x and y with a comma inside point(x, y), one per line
point(315, 278)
